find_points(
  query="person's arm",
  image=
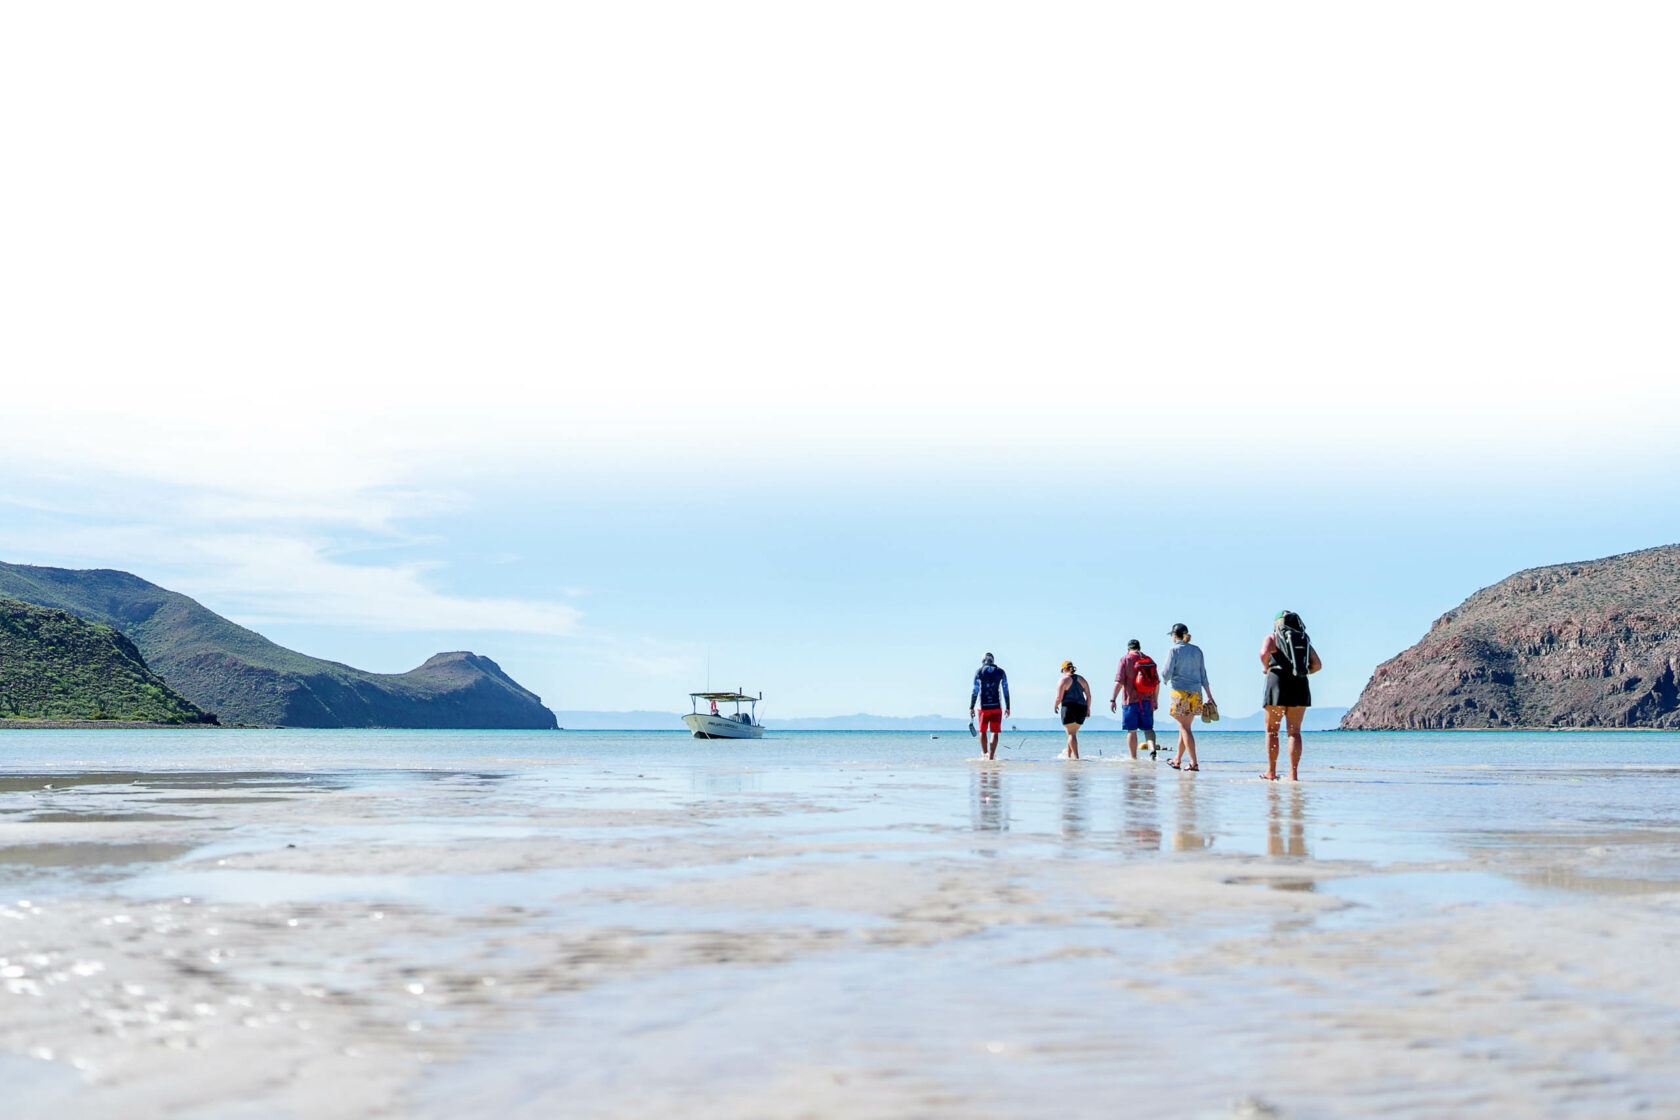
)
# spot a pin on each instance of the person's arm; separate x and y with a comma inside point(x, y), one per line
point(1114, 697)
point(1005, 693)
point(975, 695)
point(1313, 663)
point(1266, 648)
point(1061, 691)
point(1167, 669)
point(1207, 686)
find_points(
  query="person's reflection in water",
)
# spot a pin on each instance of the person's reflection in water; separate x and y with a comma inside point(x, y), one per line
point(1297, 825)
point(1187, 830)
point(986, 804)
point(1073, 801)
point(1142, 822)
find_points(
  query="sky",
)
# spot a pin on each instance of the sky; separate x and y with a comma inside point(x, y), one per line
point(818, 349)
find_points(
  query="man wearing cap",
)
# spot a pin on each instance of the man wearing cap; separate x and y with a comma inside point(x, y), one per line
point(1136, 684)
point(989, 681)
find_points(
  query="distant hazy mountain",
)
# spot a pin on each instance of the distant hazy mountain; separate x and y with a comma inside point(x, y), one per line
point(245, 678)
point(56, 665)
point(1318, 719)
point(620, 721)
point(1593, 644)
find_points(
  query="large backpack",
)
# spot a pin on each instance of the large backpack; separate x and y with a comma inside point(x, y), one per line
point(1145, 678)
point(1294, 650)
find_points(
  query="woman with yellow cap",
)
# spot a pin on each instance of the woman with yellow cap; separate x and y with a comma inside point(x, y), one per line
point(1073, 704)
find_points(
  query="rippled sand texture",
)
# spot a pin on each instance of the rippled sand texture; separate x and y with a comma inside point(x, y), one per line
point(601, 937)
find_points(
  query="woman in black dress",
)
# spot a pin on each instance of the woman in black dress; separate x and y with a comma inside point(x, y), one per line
point(1288, 656)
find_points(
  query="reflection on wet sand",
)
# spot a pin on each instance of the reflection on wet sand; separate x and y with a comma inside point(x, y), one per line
point(1074, 819)
point(987, 808)
point(1296, 799)
point(210, 780)
point(1189, 833)
point(1141, 820)
point(726, 781)
point(88, 854)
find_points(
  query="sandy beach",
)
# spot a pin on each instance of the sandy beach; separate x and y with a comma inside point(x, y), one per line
point(621, 926)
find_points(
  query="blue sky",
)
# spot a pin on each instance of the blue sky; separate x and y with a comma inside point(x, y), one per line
point(834, 599)
point(834, 345)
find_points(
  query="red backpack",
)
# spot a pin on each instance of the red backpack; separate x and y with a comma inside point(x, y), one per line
point(1144, 677)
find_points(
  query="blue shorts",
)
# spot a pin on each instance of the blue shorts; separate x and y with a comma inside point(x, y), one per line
point(1138, 717)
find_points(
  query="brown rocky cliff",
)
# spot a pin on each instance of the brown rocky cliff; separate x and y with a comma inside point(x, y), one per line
point(1595, 644)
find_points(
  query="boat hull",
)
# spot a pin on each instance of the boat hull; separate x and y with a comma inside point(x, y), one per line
point(717, 727)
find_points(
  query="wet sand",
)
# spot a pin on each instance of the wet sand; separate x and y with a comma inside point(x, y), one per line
point(725, 937)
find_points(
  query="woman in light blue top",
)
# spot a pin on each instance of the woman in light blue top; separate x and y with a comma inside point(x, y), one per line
point(1186, 674)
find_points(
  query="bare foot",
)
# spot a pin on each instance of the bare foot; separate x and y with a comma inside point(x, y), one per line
point(1270, 777)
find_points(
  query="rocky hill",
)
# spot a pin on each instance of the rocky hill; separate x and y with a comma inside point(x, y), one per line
point(247, 679)
point(57, 666)
point(1595, 644)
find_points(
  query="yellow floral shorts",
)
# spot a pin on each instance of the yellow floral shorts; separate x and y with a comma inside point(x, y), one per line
point(1185, 704)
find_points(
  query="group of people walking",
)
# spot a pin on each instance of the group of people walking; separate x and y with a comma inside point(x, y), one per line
point(1287, 658)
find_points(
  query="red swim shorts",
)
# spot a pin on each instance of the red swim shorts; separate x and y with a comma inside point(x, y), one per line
point(992, 718)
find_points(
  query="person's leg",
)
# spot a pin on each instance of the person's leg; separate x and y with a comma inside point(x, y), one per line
point(1131, 742)
point(1172, 702)
point(1072, 730)
point(1274, 716)
point(1146, 721)
point(1187, 741)
point(1296, 716)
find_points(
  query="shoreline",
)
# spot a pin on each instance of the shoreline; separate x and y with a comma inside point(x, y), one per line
point(99, 725)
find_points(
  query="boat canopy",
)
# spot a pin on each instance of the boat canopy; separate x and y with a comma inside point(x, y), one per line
point(739, 696)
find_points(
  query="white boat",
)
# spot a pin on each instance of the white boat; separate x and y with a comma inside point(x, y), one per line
point(714, 725)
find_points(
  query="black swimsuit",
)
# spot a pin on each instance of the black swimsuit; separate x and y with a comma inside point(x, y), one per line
point(1075, 711)
point(1283, 688)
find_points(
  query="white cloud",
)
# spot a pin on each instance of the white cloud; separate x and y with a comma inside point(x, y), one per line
point(282, 579)
point(260, 578)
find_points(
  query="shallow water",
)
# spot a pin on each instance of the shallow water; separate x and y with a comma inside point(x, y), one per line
point(849, 924)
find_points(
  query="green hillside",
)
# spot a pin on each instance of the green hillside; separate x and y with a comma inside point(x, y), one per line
point(247, 679)
point(55, 665)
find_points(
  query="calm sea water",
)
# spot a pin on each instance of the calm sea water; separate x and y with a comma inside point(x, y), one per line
point(1380, 797)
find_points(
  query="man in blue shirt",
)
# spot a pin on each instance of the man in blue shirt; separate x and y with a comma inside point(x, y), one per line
point(989, 681)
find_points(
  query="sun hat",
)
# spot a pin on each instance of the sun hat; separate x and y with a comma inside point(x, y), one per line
point(1067, 666)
